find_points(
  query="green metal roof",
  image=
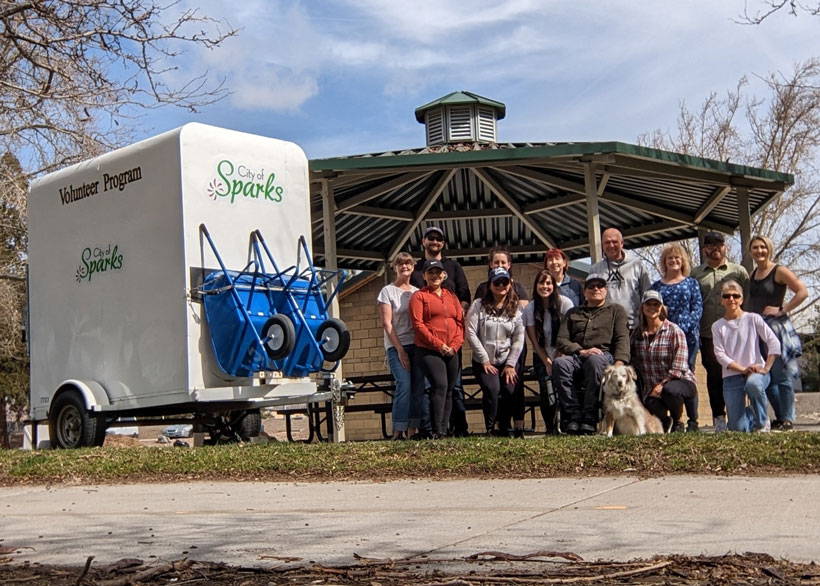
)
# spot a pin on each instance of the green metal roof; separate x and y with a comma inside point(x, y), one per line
point(512, 152)
point(462, 97)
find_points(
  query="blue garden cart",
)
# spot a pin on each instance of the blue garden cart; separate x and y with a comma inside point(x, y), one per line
point(264, 318)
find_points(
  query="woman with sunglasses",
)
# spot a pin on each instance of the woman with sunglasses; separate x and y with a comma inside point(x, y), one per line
point(438, 321)
point(767, 292)
point(737, 337)
point(394, 310)
point(541, 318)
point(496, 335)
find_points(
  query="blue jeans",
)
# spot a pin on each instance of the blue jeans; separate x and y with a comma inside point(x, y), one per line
point(401, 396)
point(735, 390)
point(781, 388)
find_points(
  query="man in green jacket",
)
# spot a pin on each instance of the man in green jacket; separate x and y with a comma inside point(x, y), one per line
point(591, 337)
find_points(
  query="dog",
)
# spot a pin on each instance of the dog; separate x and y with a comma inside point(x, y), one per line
point(623, 409)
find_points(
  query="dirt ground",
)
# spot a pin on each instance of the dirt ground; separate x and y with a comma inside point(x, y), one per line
point(273, 426)
point(485, 568)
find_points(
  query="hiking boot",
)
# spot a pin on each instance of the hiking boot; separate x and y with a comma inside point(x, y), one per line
point(720, 424)
point(692, 426)
point(572, 428)
point(586, 429)
point(777, 425)
point(786, 425)
point(678, 427)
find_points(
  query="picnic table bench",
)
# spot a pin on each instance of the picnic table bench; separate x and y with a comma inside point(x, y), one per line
point(378, 390)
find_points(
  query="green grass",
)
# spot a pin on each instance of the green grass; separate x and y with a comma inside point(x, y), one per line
point(758, 454)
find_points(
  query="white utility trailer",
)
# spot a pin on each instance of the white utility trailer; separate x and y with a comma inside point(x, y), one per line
point(119, 249)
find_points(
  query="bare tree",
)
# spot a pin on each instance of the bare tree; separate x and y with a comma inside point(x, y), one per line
point(71, 69)
point(13, 358)
point(780, 132)
point(769, 7)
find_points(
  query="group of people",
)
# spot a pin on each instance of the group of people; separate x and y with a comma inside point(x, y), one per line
point(739, 324)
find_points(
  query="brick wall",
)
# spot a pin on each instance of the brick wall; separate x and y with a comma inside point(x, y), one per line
point(366, 355)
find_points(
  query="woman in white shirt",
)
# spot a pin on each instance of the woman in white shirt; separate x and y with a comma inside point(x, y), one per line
point(394, 300)
point(737, 336)
point(542, 317)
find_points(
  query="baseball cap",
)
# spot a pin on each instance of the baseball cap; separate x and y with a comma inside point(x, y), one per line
point(714, 238)
point(433, 230)
point(595, 277)
point(432, 264)
point(652, 295)
point(497, 273)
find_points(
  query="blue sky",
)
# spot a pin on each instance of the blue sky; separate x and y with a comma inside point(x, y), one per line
point(343, 77)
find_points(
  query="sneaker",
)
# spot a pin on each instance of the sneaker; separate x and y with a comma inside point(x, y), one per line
point(720, 424)
point(572, 428)
point(421, 435)
point(692, 426)
point(776, 425)
point(678, 427)
point(786, 425)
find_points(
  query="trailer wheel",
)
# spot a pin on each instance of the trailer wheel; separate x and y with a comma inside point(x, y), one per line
point(71, 425)
point(250, 424)
point(334, 339)
point(279, 336)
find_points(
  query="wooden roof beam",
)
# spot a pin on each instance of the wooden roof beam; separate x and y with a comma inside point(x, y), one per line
point(548, 179)
point(478, 214)
point(638, 231)
point(662, 212)
point(378, 190)
point(382, 213)
point(351, 254)
point(510, 202)
point(717, 196)
point(553, 204)
point(421, 212)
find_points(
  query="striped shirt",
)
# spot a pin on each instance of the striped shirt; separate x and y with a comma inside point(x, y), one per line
point(662, 356)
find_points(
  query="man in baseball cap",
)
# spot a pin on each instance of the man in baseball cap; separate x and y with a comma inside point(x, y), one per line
point(711, 275)
point(433, 241)
point(591, 337)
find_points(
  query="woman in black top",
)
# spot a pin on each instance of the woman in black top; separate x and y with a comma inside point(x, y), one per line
point(767, 291)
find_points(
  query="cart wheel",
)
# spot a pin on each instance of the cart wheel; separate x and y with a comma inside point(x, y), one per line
point(279, 336)
point(71, 425)
point(334, 339)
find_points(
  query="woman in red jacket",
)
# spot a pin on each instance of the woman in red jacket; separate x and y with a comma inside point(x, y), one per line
point(438, 321)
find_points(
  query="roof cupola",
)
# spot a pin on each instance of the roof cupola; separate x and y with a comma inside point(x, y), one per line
point(461, 117)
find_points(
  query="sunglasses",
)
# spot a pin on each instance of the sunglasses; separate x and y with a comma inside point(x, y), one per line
point(435, 238)
point(596, 286)
point(731, 295)
point(501, 283)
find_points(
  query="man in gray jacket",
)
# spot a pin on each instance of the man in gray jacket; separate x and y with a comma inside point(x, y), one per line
point(627, 279)
point(591, 337)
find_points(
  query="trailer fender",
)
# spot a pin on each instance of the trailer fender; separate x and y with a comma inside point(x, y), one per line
point(93, 393)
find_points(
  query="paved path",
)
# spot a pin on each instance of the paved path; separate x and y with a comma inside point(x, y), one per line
point(246, 523)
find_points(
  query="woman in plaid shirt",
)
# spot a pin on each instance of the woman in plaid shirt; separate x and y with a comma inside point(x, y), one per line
point(660, 355)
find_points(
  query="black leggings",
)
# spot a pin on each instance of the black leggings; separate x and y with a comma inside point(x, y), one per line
point(671, 399)
point(442, 372)
point(499, 399)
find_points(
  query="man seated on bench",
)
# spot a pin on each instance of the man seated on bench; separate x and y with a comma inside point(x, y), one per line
point(591, 337)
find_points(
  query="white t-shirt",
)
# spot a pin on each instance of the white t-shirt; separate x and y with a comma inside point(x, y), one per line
point(528, 316)
point(399, 300)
